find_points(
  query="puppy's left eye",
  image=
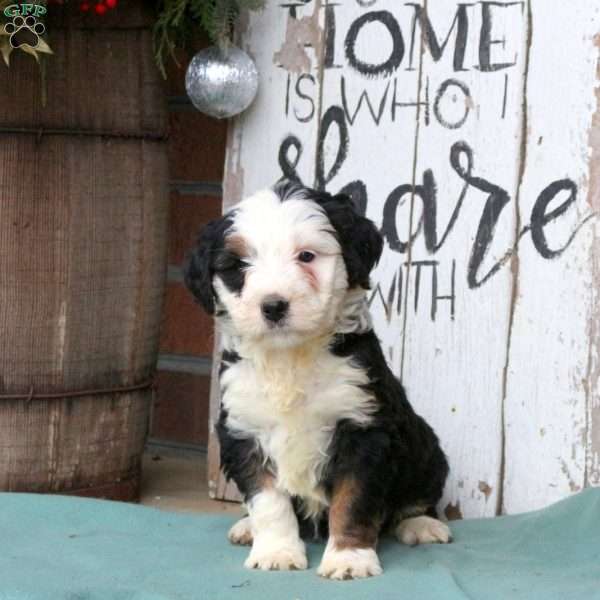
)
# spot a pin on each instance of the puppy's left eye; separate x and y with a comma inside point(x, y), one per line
point(229, 262)
point(306, 256)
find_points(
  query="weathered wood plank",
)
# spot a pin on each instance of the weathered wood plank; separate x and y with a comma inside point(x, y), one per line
point(455, 336)
point(592, 380)
point(546, 397)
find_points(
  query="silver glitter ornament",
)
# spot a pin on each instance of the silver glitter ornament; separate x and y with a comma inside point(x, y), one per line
point(221, 82)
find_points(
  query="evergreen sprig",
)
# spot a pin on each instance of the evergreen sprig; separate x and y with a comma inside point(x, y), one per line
point(180, 21)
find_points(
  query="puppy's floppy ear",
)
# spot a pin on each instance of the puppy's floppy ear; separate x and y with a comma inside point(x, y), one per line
point(198, 269)
point(360, 240)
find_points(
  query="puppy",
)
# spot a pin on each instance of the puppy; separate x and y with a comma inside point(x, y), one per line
point(314, 428)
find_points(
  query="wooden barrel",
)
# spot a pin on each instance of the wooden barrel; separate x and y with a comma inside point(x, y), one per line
point(83, 226)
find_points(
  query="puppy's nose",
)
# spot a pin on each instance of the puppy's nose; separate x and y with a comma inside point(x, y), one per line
point(274, 308)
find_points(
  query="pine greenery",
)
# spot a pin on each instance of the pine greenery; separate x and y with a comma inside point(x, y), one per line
point(180, 21)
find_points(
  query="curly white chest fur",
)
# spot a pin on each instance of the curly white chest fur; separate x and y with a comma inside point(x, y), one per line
point(291, 402)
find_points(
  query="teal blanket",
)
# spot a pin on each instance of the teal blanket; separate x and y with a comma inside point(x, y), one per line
point(59, 548)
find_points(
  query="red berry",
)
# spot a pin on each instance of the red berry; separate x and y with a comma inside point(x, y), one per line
point(111, 3)
point(84, 6)
point(100, 9)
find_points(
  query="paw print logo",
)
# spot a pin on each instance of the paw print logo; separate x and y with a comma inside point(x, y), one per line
point(24, 31)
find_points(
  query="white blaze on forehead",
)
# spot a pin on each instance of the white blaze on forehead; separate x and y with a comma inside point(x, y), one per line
point(270, 226)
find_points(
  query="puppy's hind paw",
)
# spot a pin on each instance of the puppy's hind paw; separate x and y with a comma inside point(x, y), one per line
point(241, 533)
point(423, 530)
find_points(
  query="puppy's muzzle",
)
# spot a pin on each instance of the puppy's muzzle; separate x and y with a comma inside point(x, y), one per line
point(274, 308)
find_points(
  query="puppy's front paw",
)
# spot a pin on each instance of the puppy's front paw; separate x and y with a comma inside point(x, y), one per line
point(349, 563)
point(241, 533)
point(277, 555)
point(423, 530)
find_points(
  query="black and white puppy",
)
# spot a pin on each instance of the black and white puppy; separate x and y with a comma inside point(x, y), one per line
point(314, 428)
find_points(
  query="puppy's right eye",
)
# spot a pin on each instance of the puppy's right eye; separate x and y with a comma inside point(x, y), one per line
point(306, 256)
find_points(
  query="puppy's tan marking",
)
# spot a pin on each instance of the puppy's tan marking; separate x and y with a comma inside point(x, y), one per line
point(238, 245)
point(345, 532)
point(350, 551)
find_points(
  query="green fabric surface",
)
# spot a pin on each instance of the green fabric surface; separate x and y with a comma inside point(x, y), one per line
point(57, 548)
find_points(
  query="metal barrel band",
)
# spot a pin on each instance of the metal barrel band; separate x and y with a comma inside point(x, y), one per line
point(33, 395)
point(41, 131)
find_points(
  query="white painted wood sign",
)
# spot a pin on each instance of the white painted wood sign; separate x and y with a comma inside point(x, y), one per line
point(469, 132)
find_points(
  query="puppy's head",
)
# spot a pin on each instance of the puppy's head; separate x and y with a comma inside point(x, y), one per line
point(279, 264)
